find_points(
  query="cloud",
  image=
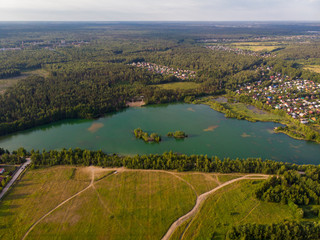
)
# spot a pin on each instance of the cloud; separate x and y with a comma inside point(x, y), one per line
point(170, 10)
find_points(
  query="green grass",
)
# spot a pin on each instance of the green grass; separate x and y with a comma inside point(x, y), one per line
point(233, 205)
point(178, 234)
point(132, 204)
point(179, 85)
point(258, 46)
point(253, 112)
point(129, 205)
point(36, 194)
point(202, 182)
point(313, 68)
point(250, 112)
point(8, 82)
point(227, 177)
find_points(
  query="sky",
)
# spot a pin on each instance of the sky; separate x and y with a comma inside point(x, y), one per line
point(160, 10)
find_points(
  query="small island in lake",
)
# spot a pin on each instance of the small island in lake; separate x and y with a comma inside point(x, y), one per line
point(153, 137)
point(177, 134)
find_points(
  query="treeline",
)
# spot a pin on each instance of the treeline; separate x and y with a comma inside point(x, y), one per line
point(81, 90)
point(17, 157)
point(7, 73)
point(292, 186)
point(287, 230)
point(165, 161)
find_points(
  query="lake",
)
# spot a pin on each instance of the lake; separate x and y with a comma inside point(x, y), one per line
point(209, 133)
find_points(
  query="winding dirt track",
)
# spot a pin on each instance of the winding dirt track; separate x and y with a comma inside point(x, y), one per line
point(202, 198)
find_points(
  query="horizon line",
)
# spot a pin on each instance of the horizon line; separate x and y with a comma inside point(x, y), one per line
point(173, 21)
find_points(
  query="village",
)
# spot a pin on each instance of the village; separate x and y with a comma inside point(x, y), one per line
point(51, 45)
point(239, 51)
point(155, 68)
point(298, 97)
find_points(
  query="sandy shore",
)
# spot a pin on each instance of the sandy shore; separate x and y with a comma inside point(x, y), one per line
point(135, 104)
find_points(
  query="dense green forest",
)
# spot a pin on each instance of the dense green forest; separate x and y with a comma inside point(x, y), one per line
point(165, 161)
point(279, 231)
point(292, 186)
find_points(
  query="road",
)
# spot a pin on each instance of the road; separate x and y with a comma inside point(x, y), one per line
point(14, 178)
point(202, 198)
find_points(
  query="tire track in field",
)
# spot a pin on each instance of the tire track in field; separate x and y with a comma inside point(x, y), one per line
point(201, 198)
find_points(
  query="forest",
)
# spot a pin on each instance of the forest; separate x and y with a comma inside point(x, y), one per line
point(286, 230)
point(292, 186)
point(165, 161)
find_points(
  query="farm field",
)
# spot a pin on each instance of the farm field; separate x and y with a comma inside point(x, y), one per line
point(68, 202)
point(258, 46)
point(179, 85)
point(313, 68)
point(235, 204)
point(37, 193)
point(135, 203)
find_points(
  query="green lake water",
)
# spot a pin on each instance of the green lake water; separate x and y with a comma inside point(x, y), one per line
point(209, 133)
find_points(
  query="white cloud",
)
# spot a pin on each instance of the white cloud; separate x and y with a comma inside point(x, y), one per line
point(109, 10)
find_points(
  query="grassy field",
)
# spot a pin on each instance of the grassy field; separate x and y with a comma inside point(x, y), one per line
point(129, 204)
point(313, 68)
point(227, 177)
point(232, 205)
point(248, 111)
point(201, 182)
point(37, 193)
point(258, 46)
point(8, 82)
point(179, 85)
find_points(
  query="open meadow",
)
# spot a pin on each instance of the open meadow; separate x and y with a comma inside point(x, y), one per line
point(68, 202)
point(235, 204)
point(313, 68)
point(179, 85)
point(258, 46)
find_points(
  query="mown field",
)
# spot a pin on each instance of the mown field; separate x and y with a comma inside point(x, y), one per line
point(36, 194)
point(258, 46)
point(179, 85)
point(139, 204)
point(129, 204)
point(235, 204)
point(313, 68)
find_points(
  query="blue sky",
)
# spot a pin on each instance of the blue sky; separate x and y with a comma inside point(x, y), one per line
point(159, 10)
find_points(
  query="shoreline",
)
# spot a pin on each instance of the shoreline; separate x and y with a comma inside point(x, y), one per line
point(218, 106)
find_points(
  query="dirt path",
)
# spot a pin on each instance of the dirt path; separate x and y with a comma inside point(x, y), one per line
point(64, 202)
point(202, 198)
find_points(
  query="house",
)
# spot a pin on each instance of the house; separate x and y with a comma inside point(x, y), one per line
point(2, 170)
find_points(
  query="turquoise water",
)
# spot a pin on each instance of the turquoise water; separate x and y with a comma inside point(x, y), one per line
point(209, 133)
